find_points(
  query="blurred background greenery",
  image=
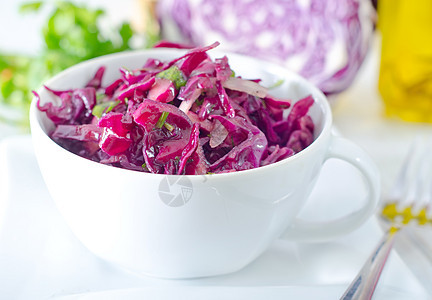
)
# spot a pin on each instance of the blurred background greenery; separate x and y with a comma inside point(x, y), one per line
point(70, 34)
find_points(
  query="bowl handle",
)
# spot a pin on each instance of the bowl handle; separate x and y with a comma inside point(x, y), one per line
point(343, 149)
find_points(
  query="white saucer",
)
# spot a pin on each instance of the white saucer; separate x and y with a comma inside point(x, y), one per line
point(229, 293)
point(41, 259)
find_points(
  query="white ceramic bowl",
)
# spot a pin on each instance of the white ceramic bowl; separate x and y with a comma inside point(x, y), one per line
point(226, 220)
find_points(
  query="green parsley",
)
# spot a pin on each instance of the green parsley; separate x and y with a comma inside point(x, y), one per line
point(104, 107)
point(175, 75)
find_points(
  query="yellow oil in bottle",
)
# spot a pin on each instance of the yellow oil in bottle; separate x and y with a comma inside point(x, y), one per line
point(405, 79)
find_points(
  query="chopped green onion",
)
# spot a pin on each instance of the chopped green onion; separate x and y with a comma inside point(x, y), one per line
point(276, 84)
point(175, 75)
point(162, 119)
point(199, 101)
point(104, 108)
point(99, 97)
point(169, 126)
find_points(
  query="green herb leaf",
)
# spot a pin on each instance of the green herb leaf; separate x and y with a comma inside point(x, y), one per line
point(199, 101)
point(103, 108)
point(99, 97)
point(276, 84)
point(175, 75)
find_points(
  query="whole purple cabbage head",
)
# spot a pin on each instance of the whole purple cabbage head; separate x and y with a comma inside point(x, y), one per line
point(325, 41)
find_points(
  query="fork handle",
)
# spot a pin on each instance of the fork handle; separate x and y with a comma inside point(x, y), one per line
point(363, 285)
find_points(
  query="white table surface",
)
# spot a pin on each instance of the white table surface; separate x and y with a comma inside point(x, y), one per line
point(357, 115)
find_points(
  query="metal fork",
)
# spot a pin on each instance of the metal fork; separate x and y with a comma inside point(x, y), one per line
point(408, 203)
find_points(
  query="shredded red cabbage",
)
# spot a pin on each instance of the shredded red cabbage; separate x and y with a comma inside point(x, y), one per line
point(187, 116)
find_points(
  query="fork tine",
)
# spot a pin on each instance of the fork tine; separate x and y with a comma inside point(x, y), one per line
point(400, 185)
point(428, 192)
point(425, 200)
point(398, 195)
point(422, 195)
point(411, 196)
point(408, 197)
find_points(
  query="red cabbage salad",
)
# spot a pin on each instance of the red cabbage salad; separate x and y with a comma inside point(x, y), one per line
point(188, 116)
